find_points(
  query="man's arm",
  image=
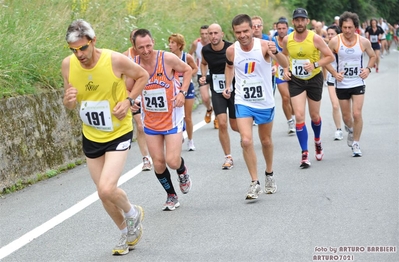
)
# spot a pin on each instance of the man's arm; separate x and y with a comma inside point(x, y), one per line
point(229, 70)
point(123, 66)
point(176, 64)
point(70, 92)
point(193, 47)
point(372, 57)
point(204, 70)
point(192, 64)
point(271, 50)
point(287, 74)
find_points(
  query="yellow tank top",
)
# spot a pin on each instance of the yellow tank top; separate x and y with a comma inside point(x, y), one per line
point(99, 90)
point(300, 53)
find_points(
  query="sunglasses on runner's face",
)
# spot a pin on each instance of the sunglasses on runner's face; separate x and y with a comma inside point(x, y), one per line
point(257, 26)
point(81, 48)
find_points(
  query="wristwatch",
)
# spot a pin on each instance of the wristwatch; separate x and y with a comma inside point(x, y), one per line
point(130, 100)
point(316, 65)
point(183, 92)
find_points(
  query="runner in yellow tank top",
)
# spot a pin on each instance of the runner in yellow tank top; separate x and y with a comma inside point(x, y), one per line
point(305, 81)
point(93, 78)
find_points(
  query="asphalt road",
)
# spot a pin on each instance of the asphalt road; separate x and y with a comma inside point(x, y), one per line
point(342, 202)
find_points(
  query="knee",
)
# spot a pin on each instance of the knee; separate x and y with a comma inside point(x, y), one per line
point(357, 116)
point(267, 142)
point(246, 142)
point(105, 192)
point(174, 163)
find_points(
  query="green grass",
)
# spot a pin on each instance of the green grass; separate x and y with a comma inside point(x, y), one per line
point(33, 32)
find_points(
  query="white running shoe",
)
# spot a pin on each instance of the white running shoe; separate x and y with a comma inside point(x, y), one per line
point(356, 150)
point(190, 145)
point(270, 185)
point(291, 127)
point(338, 135)
point(253, 191)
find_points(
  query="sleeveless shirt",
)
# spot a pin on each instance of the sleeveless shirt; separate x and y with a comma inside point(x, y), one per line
point(253, 86)
point(350, 61)
point(99, 90)
point(158, 111)
point(300, 53)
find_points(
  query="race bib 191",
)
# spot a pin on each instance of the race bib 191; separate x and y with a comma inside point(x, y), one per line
point(97, 114)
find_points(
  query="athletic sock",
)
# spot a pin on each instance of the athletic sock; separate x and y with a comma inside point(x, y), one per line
point(132, 212)
point(165, 181)
point(302, 134)
point(269, 174)
point(316, 126)
point(182, 167)
point(124, 231)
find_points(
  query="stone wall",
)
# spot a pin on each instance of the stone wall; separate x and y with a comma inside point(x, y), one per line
point(38, 134)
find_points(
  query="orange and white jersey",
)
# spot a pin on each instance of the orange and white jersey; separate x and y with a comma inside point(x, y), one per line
point(157, 107)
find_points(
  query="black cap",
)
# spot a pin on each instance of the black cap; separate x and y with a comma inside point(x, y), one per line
point(300, 12)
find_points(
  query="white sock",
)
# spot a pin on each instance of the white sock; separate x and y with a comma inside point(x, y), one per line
point(124, 231)
point(132, 212)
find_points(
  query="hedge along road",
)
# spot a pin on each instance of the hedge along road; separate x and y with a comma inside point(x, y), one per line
point(341, 207)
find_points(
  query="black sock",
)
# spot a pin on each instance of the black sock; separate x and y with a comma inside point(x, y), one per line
point(257, 182)
point(165, 181)
point(269, 174)
point(182, 167)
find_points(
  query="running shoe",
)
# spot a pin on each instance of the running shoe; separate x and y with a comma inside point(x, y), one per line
point(185, 182)
point(356, 150)
point(121, 248)
point(305, 163)
point(216, 124)
point(208, 115)
point(253, 191)
point(338, 135)
point(291, 127)
point(134, 227)
point(319, 151)
point(350, 137)
point(190, 145)
point(228, 163)
point(146, 164)
point(172, 202)
point(270, 185)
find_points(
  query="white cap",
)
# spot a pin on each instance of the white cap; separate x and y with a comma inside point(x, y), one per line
point(336, 18)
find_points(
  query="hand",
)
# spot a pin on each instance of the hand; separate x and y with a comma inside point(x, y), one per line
point(309, 67)
point(287, 75)
point(272, 46)
point(202, 80)
point(226, 93)
point(274, 70)
point(135, 107)
point(121, 108)
point(71, 94)
point(179, 100)
point(339, 76)
point(364, 73)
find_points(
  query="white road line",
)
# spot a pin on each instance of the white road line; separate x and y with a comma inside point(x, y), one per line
point(43, 228)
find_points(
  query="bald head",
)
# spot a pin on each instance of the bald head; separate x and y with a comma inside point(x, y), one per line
point(215, 34)
point(214, 27)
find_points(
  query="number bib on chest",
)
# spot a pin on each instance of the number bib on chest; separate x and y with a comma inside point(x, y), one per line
point(97, 114)
point(351, 71)
point(219, 83)
point(155, 100)
point(298, 69)
point(253, 91)
point(374, 38)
